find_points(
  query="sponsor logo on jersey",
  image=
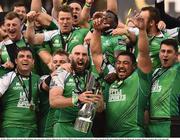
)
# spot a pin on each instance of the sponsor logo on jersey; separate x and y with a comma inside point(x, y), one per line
point(116, 95)
point(23, 101)
point(156, 87)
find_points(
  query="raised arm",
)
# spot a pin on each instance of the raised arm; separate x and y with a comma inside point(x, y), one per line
point(43, 18)
point(95, 43)
point(144, 60)
point(85, 13)
point(33, 38)
point(36, 5)
point(112, 5)
point(55, 9)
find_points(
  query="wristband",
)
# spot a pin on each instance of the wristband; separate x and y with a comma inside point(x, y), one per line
point(87, 5)
point(75, 99)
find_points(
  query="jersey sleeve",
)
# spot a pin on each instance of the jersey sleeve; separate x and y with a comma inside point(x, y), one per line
point(59, 78)
point(5, 81)
point(53, 25)
point(50, 34)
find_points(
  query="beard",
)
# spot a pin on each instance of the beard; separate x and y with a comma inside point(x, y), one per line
point(79, 69)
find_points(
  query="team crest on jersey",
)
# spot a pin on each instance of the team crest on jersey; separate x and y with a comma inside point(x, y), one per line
point(116, 95)
point(156, 87)
point(17, 87)
point(70, 82)
point(56, 43)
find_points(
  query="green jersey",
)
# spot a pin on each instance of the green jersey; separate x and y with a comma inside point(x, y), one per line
point(17, 110)
point(165, 93)
point(125, 104)
point(66, 41)
point(164, 102)
point(110, 44)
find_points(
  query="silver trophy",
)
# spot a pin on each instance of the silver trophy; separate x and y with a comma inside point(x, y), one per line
point(86, 114)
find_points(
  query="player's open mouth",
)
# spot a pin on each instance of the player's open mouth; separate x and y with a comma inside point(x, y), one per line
point(75, 16)
point(165, 60)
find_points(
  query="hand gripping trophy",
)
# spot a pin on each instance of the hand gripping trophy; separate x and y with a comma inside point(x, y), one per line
point(87, 112)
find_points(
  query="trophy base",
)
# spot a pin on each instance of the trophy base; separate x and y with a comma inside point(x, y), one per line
point(83, 124)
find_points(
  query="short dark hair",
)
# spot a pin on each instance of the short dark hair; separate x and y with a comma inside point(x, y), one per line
point(127, 53)
point(18, 4)
point(153, 13)
point(171, 42)
point(11, 15)
point(23, 49)
point(60, 52)
point(66, 8)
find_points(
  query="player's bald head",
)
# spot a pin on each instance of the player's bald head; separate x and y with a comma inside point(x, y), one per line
point(79, 48)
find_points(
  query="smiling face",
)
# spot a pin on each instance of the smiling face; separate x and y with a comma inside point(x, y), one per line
point(24, 62)
point(124, 66)
point(79, 58)
point(110, 19)
point(168, 56)
point(13, 28)
point(21, 11)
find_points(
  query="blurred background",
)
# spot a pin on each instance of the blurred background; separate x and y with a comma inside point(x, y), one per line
point(171, 6)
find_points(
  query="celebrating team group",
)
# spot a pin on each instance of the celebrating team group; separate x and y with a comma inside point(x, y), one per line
point(72, 75)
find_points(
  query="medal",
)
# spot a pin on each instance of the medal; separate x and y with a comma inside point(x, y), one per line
point(27, 93)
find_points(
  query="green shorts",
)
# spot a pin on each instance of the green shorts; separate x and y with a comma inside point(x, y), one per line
point(159, 129)
point(17, 132)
